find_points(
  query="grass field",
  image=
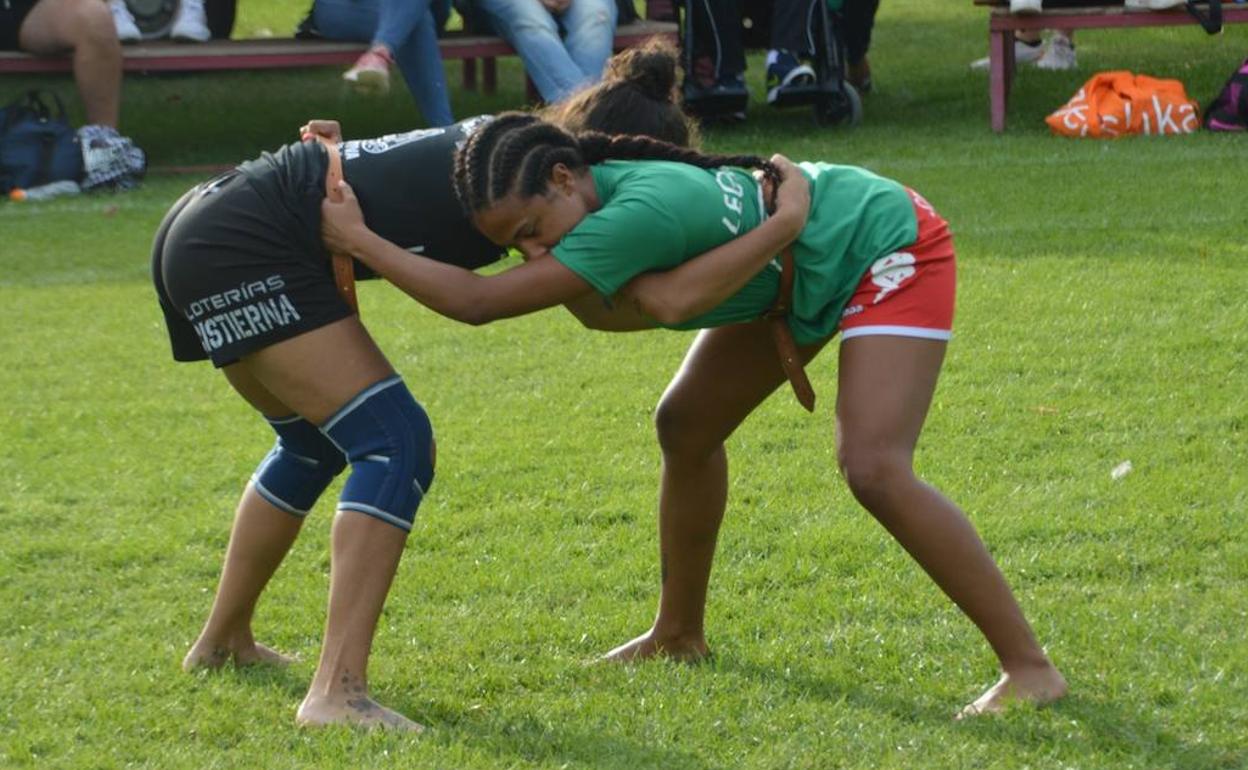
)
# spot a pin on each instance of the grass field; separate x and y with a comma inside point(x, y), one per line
point(1101, 319)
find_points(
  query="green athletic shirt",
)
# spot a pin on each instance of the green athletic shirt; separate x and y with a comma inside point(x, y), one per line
point(656, 215)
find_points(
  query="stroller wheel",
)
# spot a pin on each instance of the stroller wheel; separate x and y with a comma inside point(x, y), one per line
point(834, 108)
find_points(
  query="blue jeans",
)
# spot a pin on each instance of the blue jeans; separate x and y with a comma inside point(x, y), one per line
point(559, 66)
point(409, 29)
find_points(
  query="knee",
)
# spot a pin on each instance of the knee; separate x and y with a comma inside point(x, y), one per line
point(387, 437)
point(874, 473)
point(93, 27)
point(682, 432)
point(526, 18)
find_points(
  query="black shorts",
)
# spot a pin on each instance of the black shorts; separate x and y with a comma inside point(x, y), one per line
point(233, 276)
point(12, 14)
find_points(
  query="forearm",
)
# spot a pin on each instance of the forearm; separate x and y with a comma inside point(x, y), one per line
point(446, 289)
point(706, 281)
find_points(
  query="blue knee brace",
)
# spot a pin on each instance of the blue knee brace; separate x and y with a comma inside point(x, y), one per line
point(299, 467)
point(387, 437)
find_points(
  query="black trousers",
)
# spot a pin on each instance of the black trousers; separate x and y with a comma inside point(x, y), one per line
point(718, 32)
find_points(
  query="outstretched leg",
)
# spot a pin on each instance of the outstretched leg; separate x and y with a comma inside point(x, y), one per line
point(261, 536)
point(886, 386)
point(727, 373)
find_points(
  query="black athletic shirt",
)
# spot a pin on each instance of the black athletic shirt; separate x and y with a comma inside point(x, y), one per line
point(403, 183)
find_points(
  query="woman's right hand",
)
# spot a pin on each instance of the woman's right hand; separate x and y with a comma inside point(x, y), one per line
point(793, 195)
point(342, 223)
point(325, 129)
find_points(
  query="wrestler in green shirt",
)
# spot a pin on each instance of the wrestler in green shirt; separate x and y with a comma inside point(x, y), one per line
point(656, 215)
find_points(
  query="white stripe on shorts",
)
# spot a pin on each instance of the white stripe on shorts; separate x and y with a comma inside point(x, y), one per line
point(896, 331)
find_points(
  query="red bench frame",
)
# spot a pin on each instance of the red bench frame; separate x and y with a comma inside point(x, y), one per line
point(1002, 25)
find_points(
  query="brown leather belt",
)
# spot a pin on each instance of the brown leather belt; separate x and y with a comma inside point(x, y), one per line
point(344, 266)
point(782, 336)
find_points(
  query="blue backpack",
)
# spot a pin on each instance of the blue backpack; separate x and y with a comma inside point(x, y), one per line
point(37, 144)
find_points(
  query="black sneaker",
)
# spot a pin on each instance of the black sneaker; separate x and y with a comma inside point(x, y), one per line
point(725, 99)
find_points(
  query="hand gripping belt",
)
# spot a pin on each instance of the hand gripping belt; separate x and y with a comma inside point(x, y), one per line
point(782, 336)
point(344, 267)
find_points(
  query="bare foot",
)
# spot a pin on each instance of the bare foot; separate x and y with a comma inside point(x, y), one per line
point(686, 649)
point(1037, 684)
point(207, 655)
point(359, 711)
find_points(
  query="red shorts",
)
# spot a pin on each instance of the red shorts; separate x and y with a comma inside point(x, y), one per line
point(910, 292)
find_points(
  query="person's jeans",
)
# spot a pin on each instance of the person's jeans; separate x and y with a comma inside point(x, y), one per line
point(559, 66)
point(409, 29)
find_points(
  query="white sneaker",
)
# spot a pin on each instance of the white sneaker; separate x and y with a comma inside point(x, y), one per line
point(190, 24)
point(1024, 53)
point(1152, 5)
point(1059, 54)
point(127, 30)
point(1025, 6)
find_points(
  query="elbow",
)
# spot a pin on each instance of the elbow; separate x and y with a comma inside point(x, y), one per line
point(475, 315)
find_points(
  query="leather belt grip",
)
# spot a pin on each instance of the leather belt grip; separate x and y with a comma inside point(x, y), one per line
point(782, 336)
point(344, 267)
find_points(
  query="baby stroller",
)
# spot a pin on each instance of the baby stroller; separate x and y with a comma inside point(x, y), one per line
point(718, 95)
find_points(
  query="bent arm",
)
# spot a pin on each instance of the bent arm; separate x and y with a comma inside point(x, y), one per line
point(463, 295)
point(704, 282)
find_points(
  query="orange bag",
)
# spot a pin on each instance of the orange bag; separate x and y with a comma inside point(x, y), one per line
point(1114, 104)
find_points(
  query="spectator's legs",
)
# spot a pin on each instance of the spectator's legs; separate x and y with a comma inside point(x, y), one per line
point(589, 29)
point(408, 31)
point(532, 31)
point(716, 26)
point(859, 18)
point(792, 26)
point(86, 28)
point(859, 21)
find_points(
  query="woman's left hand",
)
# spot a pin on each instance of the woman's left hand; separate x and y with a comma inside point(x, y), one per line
point(342, 222)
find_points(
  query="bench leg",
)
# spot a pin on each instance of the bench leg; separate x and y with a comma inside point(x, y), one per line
point(490, 79)
point(1000, 73)
point(470, 74)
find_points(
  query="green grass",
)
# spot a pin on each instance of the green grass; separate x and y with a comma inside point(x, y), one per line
point(1100, 320)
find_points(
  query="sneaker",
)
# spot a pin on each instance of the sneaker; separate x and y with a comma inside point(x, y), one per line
point(123, 20)
point(1025, 7)
point(1059, 54)
point(371, 73)
point(1152, 5)
point(785, 72)
point(190, 24)
point(715, 99)
point(1024, 53)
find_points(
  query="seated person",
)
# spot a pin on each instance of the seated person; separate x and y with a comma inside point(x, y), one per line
point(715, 86)
point(84, 29)
point(564, 44)
point(189, 25)
point(402, 32)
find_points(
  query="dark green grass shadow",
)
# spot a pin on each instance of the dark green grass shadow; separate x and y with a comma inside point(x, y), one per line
point(1107, 728)
point(529, 739)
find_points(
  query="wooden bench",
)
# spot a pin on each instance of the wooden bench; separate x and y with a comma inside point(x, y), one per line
point(287, 53)
point(1002, 26)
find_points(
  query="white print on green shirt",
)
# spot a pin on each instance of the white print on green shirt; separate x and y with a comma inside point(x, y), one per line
point(733, 192)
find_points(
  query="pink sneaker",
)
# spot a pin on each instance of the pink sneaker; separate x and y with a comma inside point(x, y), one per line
point(371, 73)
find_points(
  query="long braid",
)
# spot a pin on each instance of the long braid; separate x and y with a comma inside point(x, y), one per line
point(517, 151)
point(597, 147)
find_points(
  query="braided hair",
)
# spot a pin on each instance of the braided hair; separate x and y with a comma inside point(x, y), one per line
point(517, 152)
